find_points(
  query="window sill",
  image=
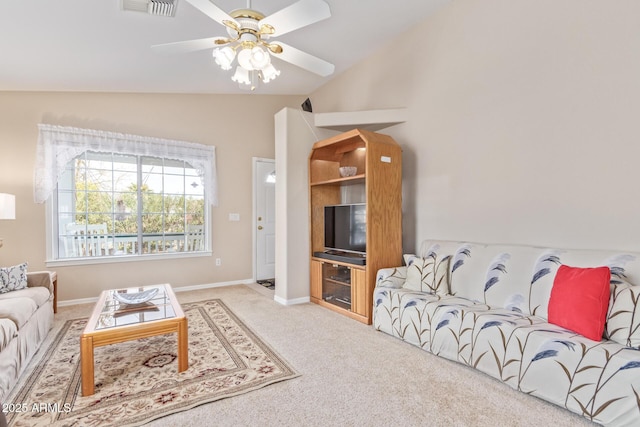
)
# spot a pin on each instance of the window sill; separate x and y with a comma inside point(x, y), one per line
point(125, 258)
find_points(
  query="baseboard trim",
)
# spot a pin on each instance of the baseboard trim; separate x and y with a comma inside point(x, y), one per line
point(180, 289)
point(295, 301)
point(213, 285)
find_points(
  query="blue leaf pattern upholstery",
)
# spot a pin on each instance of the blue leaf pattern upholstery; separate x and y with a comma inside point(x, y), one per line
point(623, 318)
point(544, 354)
point(459, 257)
point(545, 265)
point(496, 323)
point(496, 269)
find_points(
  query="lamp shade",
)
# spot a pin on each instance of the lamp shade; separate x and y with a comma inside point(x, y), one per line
point(269, 73)
point(241, 76)
point(224, 57)
point(7, 206)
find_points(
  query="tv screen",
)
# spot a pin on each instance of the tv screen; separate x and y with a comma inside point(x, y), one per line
point(345, 228)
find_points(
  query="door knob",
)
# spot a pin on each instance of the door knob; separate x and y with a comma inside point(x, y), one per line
point(259, 227)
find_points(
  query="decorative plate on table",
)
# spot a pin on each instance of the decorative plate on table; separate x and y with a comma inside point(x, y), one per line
point(137, 297)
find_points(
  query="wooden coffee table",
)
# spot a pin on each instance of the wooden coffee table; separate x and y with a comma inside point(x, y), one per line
point(113, 322)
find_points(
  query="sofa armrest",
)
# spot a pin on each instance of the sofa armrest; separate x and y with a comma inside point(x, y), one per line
point(40, 278)
point(391, 277)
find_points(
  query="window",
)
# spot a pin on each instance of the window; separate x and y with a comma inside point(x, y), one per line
point(113, 205)
point(149, 197)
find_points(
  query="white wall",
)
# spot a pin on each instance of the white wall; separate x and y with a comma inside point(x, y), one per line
point(523, 121)
point(295, 135)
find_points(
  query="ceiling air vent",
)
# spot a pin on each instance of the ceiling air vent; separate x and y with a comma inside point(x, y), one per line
point(152, 7)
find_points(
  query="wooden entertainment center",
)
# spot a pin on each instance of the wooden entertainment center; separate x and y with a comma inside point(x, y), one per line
point(344, 282)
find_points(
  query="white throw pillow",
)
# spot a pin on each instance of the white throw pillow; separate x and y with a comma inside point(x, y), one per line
point(418, 271)
point(427, 274)
point(13, 278)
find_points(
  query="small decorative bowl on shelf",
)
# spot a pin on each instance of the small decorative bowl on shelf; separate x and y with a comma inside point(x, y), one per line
point(347, 171)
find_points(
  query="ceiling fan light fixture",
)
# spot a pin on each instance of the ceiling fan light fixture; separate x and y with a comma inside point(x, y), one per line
point(274, 48)
point(224, 57)
point(244, 59)
point(241, 75)
point(269, 73)
point(260, 58)
point(247, 43)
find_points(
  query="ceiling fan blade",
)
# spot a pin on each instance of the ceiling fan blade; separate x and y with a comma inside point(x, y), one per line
point(212, 11)
point(188, 45)
point(298, 15)
point(304, 60)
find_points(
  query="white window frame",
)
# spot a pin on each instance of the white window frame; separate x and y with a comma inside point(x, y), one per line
point(58, 145)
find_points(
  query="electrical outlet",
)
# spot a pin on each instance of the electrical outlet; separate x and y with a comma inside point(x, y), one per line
point(218, 262)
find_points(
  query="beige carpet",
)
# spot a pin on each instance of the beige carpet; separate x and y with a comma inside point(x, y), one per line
point(137, 381)
point(352, 375)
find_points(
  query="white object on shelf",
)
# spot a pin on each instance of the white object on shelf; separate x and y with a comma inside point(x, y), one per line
point(348, 171)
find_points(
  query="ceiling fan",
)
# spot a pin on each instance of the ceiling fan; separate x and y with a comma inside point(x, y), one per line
point(249, 33)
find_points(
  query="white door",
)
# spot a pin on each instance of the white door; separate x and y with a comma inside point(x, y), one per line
point(265, 220)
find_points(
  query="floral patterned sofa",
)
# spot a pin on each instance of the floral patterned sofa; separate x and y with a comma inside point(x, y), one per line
point(487, 306)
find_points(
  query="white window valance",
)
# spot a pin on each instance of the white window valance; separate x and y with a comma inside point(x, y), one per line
point(58, 145)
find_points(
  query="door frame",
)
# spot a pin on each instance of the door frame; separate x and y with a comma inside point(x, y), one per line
point(254, 210)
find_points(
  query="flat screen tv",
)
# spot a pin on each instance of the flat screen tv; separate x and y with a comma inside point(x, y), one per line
point(345, 228)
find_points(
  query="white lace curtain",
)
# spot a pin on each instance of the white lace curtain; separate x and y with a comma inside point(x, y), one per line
point(58, 145)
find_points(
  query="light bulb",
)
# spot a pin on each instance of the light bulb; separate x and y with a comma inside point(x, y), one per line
point(259, 58)
point(244, 59)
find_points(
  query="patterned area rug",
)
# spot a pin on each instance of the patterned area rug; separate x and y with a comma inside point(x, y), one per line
point(138, 381)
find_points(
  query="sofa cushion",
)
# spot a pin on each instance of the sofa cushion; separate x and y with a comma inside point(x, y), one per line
point(623, 320)
point(39, 294)
point(429, 273)
point(418, 270)
point(19, 310)
point(566, 368)
point(579, 300)
point(8, 331)
point(13, 278)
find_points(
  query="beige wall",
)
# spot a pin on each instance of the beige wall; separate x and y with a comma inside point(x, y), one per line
point(524, 121)
point(240, 127)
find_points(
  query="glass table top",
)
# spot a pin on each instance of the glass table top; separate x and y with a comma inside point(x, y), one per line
point(114, 313)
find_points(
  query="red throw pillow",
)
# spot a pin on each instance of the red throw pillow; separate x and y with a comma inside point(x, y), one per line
point(579, 300)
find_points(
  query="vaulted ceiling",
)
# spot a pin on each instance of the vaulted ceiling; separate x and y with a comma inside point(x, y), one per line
point(95, 45)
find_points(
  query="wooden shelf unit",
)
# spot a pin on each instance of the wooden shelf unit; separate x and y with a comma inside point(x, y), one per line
point(378, 184)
